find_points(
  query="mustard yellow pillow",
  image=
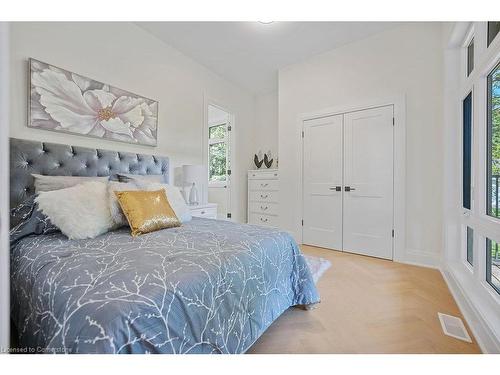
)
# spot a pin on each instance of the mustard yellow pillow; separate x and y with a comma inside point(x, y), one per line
point(147, 211)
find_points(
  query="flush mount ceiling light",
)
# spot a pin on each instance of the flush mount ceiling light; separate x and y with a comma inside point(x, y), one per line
point(266, 22)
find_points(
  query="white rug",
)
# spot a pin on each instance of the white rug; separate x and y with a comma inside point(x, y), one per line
point(317, 265)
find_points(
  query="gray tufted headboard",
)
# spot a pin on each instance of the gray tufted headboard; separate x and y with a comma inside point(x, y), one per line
point(27, 157)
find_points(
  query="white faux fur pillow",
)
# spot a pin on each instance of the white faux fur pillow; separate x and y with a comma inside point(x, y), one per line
point(117, 215)
point(81, 211)
point(175, 199)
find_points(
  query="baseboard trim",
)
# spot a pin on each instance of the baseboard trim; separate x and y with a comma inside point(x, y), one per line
point(420, 258)
point(485, 338)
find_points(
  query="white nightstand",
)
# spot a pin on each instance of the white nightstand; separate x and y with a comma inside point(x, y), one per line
point(207, 210)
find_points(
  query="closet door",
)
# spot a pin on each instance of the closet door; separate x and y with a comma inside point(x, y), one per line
point(368, 182)
point(322, 182)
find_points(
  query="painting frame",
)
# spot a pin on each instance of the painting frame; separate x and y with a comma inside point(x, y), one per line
point(140, 133)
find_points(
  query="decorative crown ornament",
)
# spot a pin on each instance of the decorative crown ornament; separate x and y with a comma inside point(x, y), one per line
point(258, 160)
point(267, 159)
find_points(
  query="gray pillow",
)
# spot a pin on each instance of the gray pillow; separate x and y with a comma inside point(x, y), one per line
point(141, 179)
point(29, 220)
point(50, 183)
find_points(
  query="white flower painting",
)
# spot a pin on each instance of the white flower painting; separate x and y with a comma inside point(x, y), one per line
point(68, 102)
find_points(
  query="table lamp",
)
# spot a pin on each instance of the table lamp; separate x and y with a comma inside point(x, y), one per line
point(193, 175)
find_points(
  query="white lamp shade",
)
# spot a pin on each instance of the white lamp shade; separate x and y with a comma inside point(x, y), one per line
point(193, 173)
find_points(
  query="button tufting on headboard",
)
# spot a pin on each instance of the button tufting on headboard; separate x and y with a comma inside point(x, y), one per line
point(27, 157)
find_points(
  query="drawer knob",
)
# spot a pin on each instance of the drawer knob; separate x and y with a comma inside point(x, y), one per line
point(263, 220)
point(264, 208)
point(263, 196)
point(264, 185)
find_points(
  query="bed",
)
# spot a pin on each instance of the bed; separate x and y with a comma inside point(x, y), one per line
point(208, 286)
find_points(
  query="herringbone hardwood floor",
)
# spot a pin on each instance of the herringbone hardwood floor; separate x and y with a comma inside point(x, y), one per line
point(368, 306)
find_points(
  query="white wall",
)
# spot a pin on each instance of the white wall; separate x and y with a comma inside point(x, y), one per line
point(266, 124)
point(4, 188)
point(126, 56)
point(404, 60)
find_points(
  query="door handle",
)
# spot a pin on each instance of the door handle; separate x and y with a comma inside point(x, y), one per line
point(336, 188)
point(348, 188)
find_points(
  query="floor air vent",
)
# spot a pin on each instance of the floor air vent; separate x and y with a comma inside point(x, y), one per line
point(454, 327)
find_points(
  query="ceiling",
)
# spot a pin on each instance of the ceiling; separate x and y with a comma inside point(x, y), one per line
point(249, 54)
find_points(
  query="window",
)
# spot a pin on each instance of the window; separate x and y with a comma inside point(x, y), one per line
point(493, 264)
point(493, 145)
point(470, 245)
point(493, 29)
point(218, 131)
point(218, 161)
point(467, 151)
point(475, 165)
point(470, 57)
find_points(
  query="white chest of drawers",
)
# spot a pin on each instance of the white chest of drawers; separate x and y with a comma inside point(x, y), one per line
point(263, 197)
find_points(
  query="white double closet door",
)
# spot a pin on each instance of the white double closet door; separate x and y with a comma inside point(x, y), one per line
point(348, 175)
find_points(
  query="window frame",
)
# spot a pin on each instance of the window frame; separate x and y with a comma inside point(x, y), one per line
point(472, 279)
point(483, 225)
point(488, 192)
point(488, 267)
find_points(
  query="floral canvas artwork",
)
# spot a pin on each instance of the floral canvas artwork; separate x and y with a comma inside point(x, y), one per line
point(67, 102)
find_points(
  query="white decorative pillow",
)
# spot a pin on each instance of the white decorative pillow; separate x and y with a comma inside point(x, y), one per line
point(175, 199)
point(49, 183)
point(81, 211)
point(140, 178)
point(116, 212)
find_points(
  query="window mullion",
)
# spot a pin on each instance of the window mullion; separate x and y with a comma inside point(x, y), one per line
point(213, 141)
